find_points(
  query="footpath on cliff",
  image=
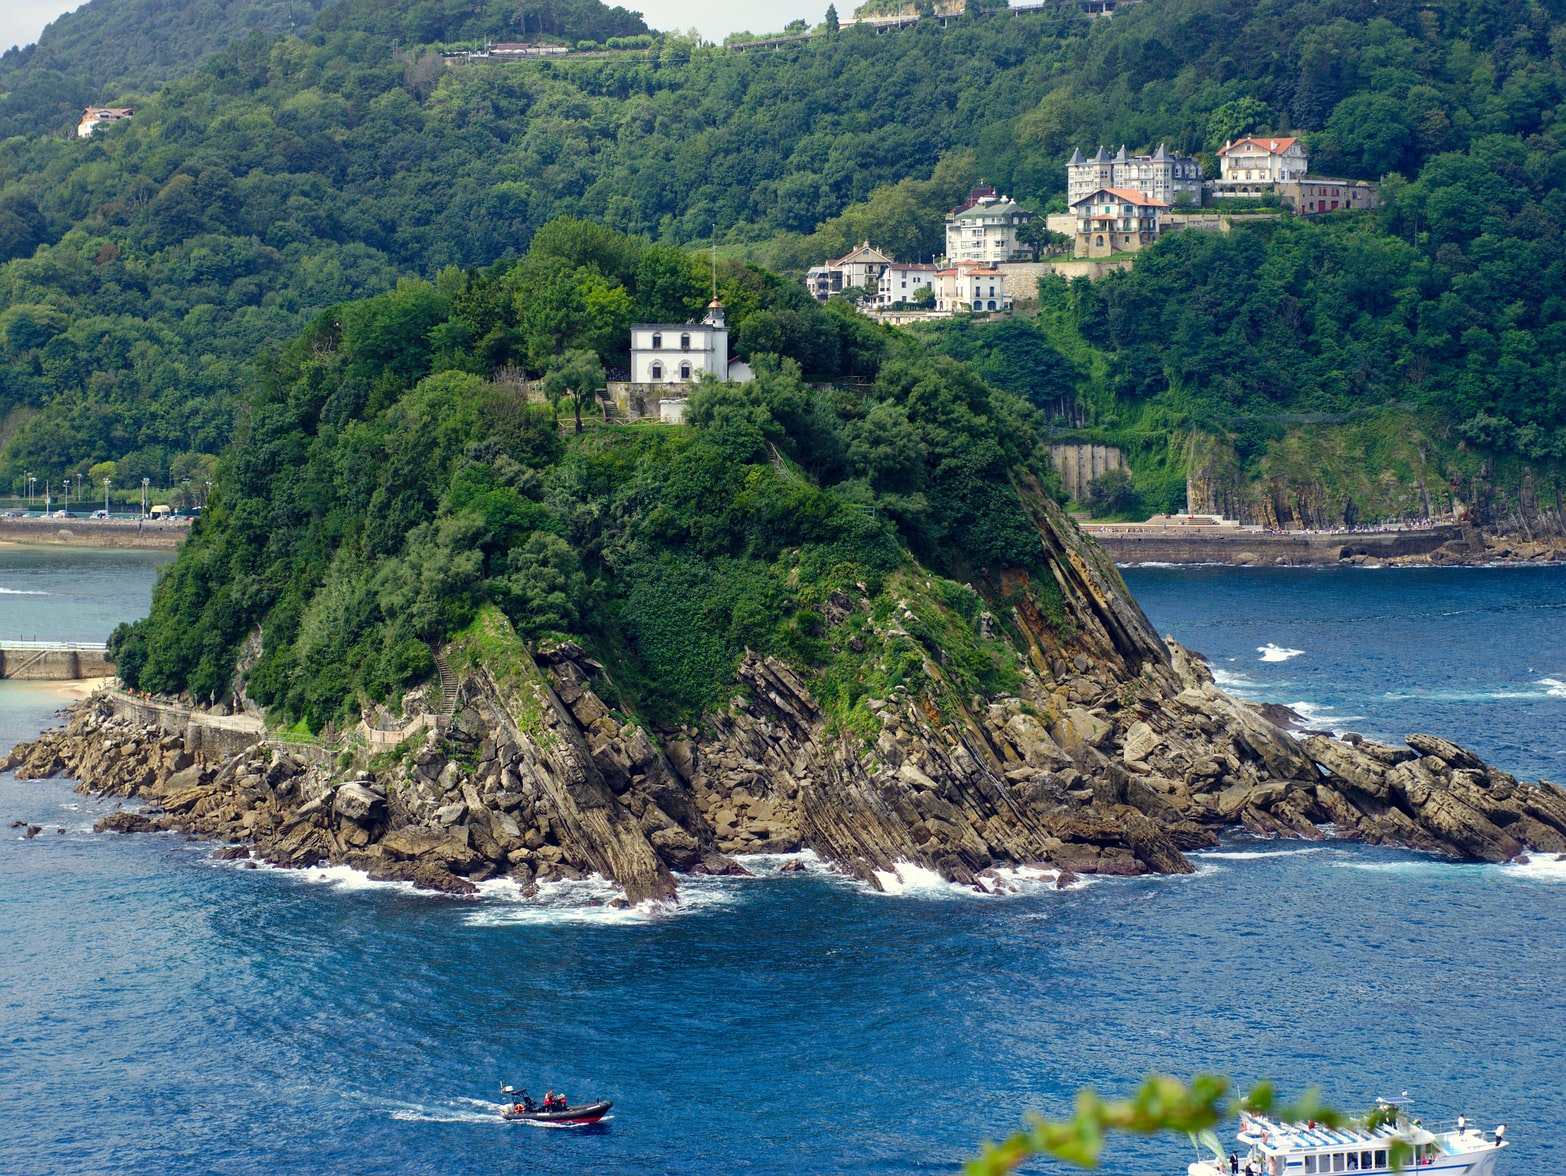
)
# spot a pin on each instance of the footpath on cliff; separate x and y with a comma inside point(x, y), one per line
point(1116, 755)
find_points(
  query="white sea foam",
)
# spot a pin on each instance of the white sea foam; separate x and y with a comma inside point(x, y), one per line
point(1543, 688)
point(1544, 867)
point(908, 880)
point(1234, 681)
point(1277, 653)
point(21, 592)
point(1317, 715)
point(1250, 855)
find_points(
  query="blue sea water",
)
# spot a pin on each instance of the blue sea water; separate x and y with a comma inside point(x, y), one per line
point(163, 1013)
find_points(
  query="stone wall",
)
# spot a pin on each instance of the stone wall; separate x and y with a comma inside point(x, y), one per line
point(1140, 543)
point(210, 735)
point(1078, 464)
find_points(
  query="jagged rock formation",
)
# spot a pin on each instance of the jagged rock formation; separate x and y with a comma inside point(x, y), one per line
point(1116, 754)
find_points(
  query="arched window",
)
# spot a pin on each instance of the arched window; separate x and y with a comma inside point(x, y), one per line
point(992, 304)
point(685, 342)
point(657, 368)
point(1101, 238)
point(685, 371)
point(977, 305)
point(657, 340)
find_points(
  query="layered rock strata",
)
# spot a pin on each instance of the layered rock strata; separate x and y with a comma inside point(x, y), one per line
point(1116, 754)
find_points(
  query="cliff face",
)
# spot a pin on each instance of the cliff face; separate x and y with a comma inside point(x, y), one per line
point(1115, 753)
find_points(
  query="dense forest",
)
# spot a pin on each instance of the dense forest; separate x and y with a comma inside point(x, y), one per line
point(146, 268)
point(389, 483)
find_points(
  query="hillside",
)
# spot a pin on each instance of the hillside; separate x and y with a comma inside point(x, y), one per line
point(148, 267)
point(110, 51)
point(850, 618)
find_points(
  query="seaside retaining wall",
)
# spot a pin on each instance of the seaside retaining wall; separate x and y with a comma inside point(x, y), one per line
point(1130, 545)
point(1079, 463)
point(94, 532)
point(53, 665)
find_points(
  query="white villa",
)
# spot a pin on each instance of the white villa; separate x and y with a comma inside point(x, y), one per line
point(900, 281)
point(96, 116)
point(984, 229)
point(679, 353)
point(970, 285)
point(1250, 166)
point(1174, 179)
point(1116, 220)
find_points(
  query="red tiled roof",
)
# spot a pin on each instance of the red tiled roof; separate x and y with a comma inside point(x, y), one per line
point(1267, 143)
point(1127, 195)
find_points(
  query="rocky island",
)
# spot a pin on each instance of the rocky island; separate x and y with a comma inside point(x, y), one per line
point(1117, 753)
point(428, 628)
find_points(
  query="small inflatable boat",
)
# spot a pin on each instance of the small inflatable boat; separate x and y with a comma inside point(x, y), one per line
point(520, 1107)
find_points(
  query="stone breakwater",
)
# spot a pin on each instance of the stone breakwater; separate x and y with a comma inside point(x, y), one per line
point(1118, 785)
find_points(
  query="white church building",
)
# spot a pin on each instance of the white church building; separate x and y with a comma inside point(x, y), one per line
point(680, 353)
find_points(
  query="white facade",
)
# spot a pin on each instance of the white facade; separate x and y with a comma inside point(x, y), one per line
point(679, 353)
point(900, 282)
point(985, 229)
point(970, 287)
point(1174, 179)
point(1259, 160)
point(96, 116)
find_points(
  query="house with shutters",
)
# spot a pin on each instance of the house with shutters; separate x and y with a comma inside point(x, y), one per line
point(680, 353)
point(1253, 165)
point(970, 286)
point(1116, 220)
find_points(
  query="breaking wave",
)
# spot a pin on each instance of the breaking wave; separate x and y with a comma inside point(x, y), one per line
point(1277, 653)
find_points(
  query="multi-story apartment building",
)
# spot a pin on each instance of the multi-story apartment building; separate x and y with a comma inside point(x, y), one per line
point(1172, 178)
point(984, 229)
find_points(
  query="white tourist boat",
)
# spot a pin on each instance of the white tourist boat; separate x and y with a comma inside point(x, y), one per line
point(1272, 1147)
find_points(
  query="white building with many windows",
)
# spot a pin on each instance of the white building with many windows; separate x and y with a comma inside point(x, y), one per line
point(679, 353)
point(984, 229)
point(1163, 175)
point(970, 286)
point(902, 281)
point(1250, 166)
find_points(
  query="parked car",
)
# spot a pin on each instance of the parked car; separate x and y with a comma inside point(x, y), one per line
point(100, 514)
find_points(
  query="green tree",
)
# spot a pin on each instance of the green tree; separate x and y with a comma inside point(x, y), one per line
point(1236, 119)
point(831, 21)
point(577, 374)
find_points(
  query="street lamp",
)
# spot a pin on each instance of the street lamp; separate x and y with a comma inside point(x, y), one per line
point(30, 482)
point(67, 506)
point(106, 482)
point(145, 482)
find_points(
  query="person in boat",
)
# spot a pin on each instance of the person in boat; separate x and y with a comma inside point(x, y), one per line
point(1234, 1164)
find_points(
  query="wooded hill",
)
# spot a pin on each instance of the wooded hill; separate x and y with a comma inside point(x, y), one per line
point(149, 266)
